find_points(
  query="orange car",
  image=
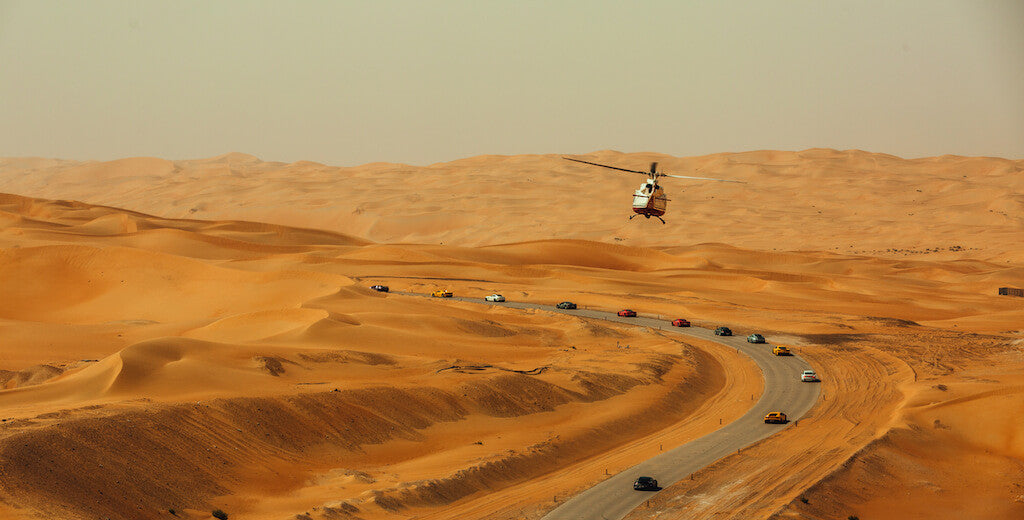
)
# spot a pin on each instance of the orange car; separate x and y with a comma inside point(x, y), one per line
point(775, 417)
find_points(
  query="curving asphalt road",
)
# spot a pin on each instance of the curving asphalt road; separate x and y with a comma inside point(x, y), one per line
point(614, 497)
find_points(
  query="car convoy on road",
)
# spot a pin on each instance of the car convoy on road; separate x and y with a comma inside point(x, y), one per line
point(649, 483)
point(778, 350)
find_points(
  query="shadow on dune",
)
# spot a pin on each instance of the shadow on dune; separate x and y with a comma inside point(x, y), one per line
point(100, 463)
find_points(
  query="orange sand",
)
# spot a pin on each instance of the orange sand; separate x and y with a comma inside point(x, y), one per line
point(849, 202)
point(149, 363)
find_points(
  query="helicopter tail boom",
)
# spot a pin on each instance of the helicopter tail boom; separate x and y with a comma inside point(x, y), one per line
point(699, 178)
point(653, 172)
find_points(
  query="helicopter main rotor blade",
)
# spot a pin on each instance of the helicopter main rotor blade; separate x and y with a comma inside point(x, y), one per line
point(606, 166)
point(652, 172)
point(698, 178)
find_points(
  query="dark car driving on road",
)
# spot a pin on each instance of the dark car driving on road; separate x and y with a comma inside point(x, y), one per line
point(566, 305)
point(645, 484)
point(723, 331)
point(755, 338)
point(380, 288)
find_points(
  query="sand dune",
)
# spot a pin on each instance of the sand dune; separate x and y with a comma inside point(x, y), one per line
point(188, 364)
point(82, 284)
point(956, 454)
point(180, 312)
point(824, 200)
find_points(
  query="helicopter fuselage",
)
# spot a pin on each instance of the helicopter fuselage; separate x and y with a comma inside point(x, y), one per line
point(649, 200)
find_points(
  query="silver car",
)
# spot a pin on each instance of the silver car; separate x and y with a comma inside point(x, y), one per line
point(808, 376)
point(495, 298)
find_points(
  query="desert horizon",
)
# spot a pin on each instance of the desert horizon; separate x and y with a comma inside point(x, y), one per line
point(371, 201)
point(183, 336)
point(511, 261)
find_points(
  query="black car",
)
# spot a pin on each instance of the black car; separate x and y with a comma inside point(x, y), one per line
point(755, 338)
point(646, 484)
point(566, 305)
point(380, 288)
point(723, 331)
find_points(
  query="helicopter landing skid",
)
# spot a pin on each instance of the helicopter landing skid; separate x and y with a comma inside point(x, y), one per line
point(647, 217)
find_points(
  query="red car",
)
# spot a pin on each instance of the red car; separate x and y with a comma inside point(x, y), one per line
point(627, 313)
point(680, 323)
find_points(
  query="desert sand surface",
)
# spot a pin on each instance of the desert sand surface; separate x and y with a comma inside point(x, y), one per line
point(200, 334)
point(850, 202)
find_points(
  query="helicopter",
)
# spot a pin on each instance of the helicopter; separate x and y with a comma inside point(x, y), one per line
point(649, 199)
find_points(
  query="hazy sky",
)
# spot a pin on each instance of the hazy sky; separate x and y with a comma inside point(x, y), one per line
point(346, 83)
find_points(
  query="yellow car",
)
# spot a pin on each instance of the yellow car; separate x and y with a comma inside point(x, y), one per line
point(780, 350)
point(441, 293)
point(775, 417)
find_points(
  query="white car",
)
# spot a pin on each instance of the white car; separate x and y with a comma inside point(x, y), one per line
point(495, 298)
point(809, 377)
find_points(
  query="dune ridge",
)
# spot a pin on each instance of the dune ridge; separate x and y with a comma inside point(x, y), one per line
point(122, 322)
point(211, 347)
point(163, 457)
point(942, 207)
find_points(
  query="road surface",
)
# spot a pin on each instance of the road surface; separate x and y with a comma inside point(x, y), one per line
point(614, 497)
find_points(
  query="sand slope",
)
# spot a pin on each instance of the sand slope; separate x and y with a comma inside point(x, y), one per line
point(117, 323)
point(189, 365)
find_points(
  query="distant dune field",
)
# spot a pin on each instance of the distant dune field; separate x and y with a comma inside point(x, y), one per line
point(214, 344)
point(816, 200)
